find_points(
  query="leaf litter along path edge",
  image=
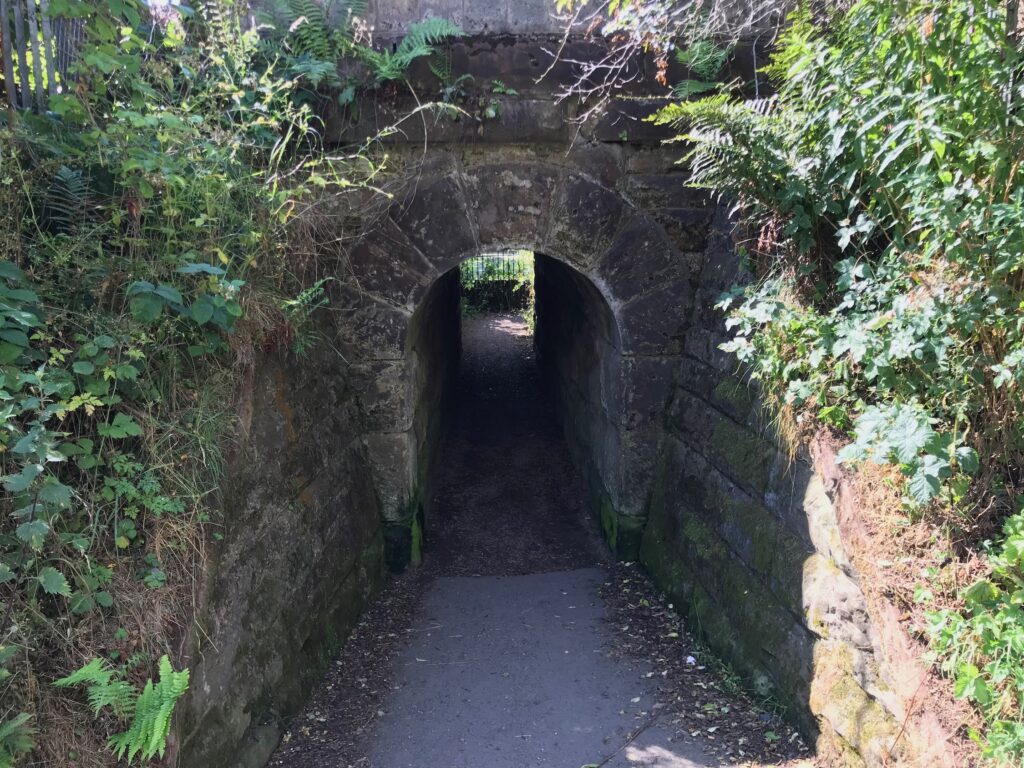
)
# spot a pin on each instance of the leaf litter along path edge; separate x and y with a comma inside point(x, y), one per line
point(513, 562)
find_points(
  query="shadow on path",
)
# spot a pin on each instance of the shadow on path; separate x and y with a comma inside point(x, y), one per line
point(508, 499)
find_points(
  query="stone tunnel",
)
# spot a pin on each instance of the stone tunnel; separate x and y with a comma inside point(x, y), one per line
point(330, 481)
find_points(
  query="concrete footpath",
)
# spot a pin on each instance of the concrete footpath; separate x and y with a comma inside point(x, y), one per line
point(514, 671)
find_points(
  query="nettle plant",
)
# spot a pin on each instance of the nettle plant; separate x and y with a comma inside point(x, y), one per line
point(884, 179)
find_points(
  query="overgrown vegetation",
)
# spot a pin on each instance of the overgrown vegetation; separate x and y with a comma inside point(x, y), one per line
point(157, 235)
point(498, 283)
point(882, 180)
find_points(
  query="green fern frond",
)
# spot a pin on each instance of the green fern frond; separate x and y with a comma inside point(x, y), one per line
point(96, 672)
point(147, 736)
point(307, 32)
point(119, 695)
point(441, 65)
point(104, 688)
point(420, 41)
point(15, 739)
point(429, 32)
point(66, 198)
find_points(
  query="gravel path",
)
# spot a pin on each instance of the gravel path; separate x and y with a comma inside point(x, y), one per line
point(519, 642)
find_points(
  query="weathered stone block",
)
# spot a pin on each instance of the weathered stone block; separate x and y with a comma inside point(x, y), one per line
point(688, 230)
point(584, 220)
point(665, 191)
point(392, 462)
point(856, 717)
point(367, 327)
point(640, 259)
point(657, 323)
point(625, 120)
point(512, 203)
point(388, 266)
point(833, 604)
point(647, 386)
point(384, 393)
point(436, 219)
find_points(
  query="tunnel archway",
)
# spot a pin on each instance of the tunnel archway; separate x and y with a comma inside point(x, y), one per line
point(579, 350)
point(612, 258)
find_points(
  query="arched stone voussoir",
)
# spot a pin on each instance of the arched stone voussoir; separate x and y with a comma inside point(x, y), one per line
point(585, 217)
point(512, 202)
point(436, 218)
point(384, 263)
point(367, 328)
point(657, 323)
point(640, 259)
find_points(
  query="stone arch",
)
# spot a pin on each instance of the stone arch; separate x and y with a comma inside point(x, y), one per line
point(450, 211)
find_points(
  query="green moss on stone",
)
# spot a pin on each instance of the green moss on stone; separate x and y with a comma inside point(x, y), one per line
point(609, 523)
point(748, 457)
point(836, 696)
point(735, 395)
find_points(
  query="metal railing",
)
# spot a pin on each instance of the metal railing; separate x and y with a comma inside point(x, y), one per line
point(37, 51)
point(497, 267)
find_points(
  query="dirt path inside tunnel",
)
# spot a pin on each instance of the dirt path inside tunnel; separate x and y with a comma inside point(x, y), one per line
point(519, 642)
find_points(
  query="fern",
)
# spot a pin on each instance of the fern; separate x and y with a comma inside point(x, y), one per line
point(149, 711)
point(15, 739)
point(65, 199)
point(420, 41)
point(103, 687)
point(147, 736)
point(307, 33)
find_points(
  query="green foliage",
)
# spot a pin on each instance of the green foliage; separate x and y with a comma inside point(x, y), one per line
point(147, 226)
point(883, 178)
point(420, 41)
point(983, 648)
point(879, 159)
point(15, 739)
point(499, 282)
point(149, 711)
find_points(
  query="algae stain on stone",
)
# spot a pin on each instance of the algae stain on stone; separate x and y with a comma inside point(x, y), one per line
point(281, 403)
point(416, 552)
point(609, 524)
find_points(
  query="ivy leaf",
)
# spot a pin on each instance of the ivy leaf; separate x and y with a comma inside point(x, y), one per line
point(82, 602)
point(10, 271)
point(970, 685)
point(205, 269)
point(909, 434)
point(923, 485)
point(18, 338)
point(53, 582)
point(9, 352)
point(967, 459)
point(55, 492)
